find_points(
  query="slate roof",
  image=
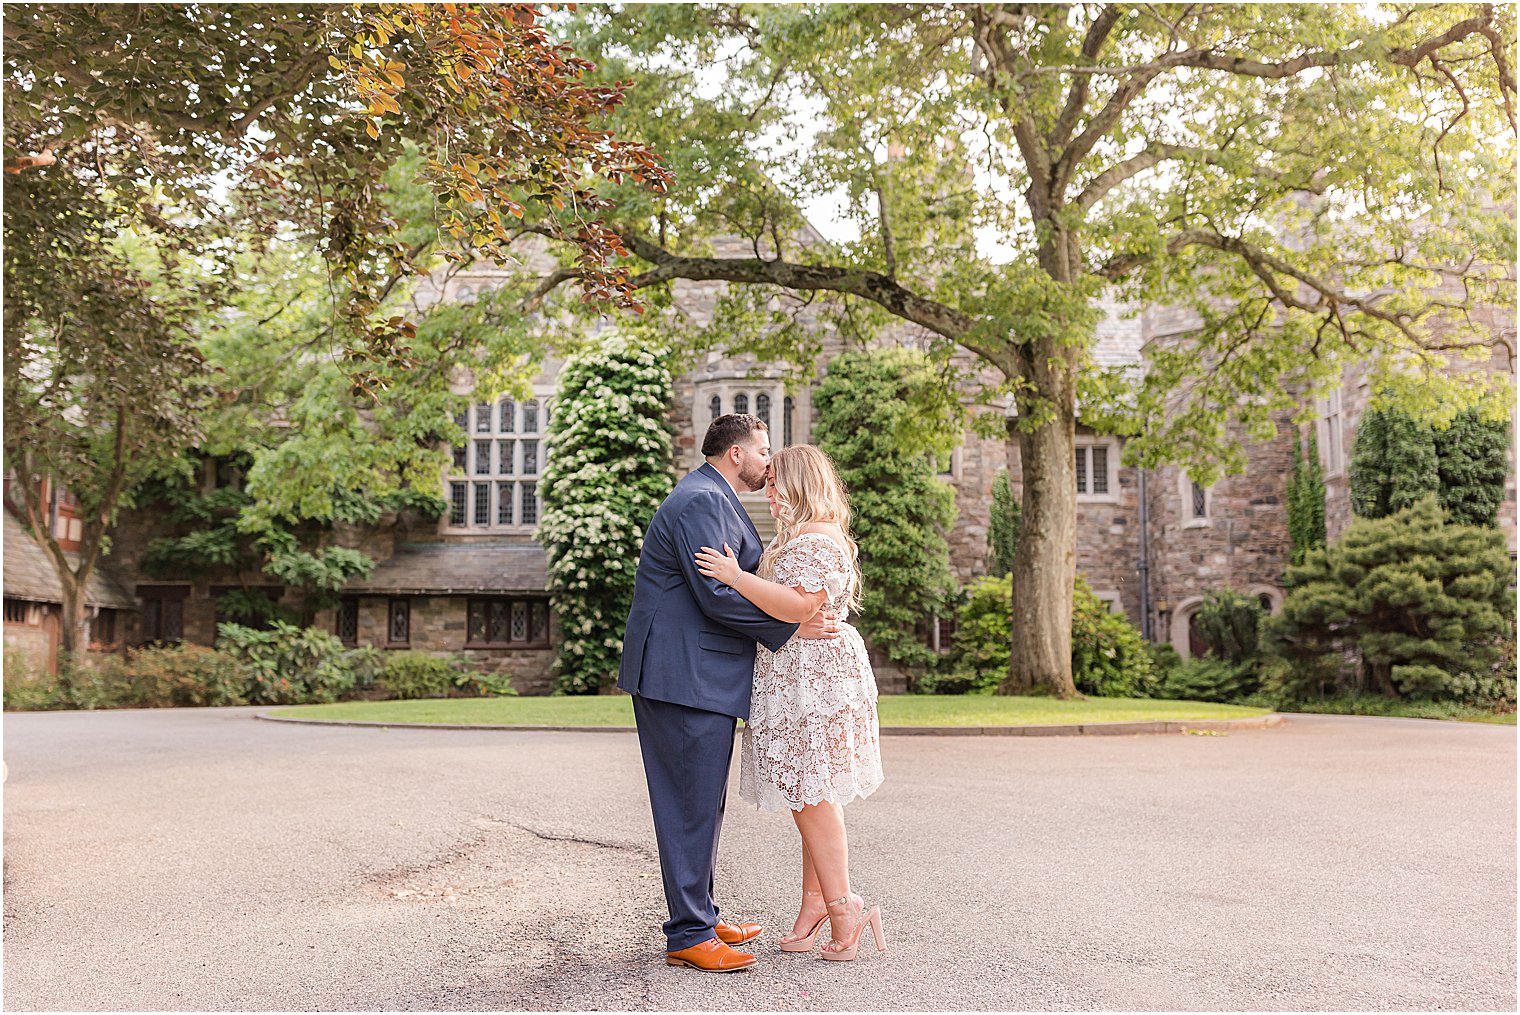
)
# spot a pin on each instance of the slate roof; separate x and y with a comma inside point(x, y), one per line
point(30, 575)
point(451, 568)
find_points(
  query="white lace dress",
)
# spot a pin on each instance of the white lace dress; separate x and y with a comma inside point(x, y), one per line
point(812, 733)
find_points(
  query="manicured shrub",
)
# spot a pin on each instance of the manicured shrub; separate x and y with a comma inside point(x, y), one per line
point(1210, 680)
point(420, 675)
point(1409, 605)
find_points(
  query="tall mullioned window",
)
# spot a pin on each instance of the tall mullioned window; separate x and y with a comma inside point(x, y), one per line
point(766, 399)
point(493, 477)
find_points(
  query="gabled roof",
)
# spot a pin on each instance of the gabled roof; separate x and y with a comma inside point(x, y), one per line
point(29, 574)
point(457, 568)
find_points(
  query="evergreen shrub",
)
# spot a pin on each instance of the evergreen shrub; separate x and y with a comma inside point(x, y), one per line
point(1397, 460)
point(1003, 524)
point(1408, 606)
point(1210, 680)
point(421, 675)
point(1109, 657)
point(978, 659)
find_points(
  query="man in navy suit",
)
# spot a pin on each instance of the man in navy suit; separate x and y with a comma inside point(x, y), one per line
point(689, 660)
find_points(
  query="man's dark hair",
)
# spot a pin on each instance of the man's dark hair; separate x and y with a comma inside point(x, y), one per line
point(726, 431)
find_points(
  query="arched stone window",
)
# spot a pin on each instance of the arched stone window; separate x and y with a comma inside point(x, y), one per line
point(715, 408)
point(741, 403)
point(1269, 597)
point(763, 409)
point(787, 404)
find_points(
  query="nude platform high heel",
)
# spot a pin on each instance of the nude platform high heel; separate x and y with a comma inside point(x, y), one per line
point(810, 941)
point(850, 947)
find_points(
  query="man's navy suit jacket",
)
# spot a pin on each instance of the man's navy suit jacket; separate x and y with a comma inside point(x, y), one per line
point(691, 639)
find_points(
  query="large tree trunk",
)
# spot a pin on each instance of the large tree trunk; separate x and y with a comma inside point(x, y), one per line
point(1044, 564)
point(1045, 560)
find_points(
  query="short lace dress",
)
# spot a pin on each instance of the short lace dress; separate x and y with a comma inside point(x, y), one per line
point(812, 733)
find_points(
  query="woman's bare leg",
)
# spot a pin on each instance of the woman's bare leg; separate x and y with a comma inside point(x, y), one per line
point(823, 833)
point(812, 909)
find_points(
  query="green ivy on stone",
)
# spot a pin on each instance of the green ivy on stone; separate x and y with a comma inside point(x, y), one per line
point(1306, 499)
point(1003, 524)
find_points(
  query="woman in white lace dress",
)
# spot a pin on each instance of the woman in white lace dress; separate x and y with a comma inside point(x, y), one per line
point(811, 744)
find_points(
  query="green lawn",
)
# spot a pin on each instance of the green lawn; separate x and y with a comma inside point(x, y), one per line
point(1507, 719)
point(896, 710)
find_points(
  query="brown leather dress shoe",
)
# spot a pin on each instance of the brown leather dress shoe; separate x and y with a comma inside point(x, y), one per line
point(711, 956)
point(737, 933)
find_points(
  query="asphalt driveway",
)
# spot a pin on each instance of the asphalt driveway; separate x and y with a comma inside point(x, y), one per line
point(199, 859)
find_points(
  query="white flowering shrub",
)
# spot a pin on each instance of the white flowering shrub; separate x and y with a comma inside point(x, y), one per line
point(611, 463)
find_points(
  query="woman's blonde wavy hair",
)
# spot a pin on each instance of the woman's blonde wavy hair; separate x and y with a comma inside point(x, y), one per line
point(808, 490)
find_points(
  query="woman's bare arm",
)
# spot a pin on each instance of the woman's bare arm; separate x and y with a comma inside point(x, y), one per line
point(784, 602)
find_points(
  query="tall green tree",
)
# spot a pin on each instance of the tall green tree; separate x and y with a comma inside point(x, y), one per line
point(1393, 462)
point(1298, 178)
point(886, 418)
point(148, 146)
point(1398, 459)
point(1472, 455)
point(611, 463)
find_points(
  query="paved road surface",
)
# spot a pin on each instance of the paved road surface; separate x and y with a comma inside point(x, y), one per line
point(199, 859)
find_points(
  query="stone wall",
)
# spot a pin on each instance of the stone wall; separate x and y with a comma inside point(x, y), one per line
point(1241, 543)
point(438, 624)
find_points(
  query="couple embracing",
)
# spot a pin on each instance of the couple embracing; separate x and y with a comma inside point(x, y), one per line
point(705, 594)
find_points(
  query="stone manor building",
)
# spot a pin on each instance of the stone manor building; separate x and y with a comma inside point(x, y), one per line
point(1150, 542)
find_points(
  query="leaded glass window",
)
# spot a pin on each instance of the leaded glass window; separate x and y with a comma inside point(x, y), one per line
point(399, 624)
